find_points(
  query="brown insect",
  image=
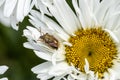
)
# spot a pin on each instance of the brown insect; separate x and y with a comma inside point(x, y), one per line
point(50, 40)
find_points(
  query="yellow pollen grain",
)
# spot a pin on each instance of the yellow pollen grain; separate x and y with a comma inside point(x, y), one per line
point(95, 45)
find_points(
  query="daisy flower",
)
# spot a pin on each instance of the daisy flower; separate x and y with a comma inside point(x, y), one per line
point(16, 10)
point(3, 69)
point(79, 44)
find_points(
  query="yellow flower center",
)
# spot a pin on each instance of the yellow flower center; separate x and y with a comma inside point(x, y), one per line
point(95, 45)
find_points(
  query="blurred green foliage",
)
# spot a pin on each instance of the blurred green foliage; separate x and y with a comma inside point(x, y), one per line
point(12, 53)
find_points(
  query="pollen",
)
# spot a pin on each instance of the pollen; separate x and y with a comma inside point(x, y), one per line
point(95, 45)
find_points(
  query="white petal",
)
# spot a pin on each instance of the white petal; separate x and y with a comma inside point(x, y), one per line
point(116, 25)
point(28, 45)
point(106, 76)
point(45, 56)
point(93, 4)
point(58, 55)
point(78, 12)
point(9, 7)
point(64, 15)
point(96, 4)
point(86, 67)
point(117, 33)
point(112, 35)
point(70, 78)
point(27, 33)
point(96, 76)
point(61, 77)
point(116, 68)
point(80, 77)
point(86, 12)
point(59, 69)
point(4, 20)
point(20, 10)
point(67, 14)
point(37, 23)
point(37, 46)
point(112, 74)
point(34, 32)
point(112, 22)
point(36, 19)
point(103, 9)
point(47, 23)
point(4, 79)
point(42, 68)
point(29, 4)
point(1, 2)
point(3, 69)
point(14, 23)
point(44, 76)
point(111, 18)
point(27, 7)
point(43, 8)
point(32, 4)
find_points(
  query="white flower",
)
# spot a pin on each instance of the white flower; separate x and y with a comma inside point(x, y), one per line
point(16, 10)
point(82, 45)
point(3, 69)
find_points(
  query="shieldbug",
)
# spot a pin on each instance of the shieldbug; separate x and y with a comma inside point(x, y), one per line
point(50, 40)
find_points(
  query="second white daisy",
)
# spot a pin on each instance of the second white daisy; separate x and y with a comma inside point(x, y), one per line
point(16, 10)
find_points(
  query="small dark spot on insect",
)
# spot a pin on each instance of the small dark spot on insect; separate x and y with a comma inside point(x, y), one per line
point(50, 40)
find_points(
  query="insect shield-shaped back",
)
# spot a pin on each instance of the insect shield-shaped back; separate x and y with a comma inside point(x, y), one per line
point(50, 40)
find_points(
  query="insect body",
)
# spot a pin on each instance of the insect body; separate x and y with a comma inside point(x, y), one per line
point(50, 40)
